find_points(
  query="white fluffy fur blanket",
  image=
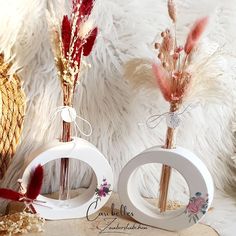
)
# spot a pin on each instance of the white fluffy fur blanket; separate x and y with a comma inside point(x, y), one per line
point(127, 29)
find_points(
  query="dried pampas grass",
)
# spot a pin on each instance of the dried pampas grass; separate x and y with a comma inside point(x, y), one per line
point(139, 73)
point(206, 64)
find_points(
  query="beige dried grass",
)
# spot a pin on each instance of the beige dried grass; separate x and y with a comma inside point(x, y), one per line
point(20, 223)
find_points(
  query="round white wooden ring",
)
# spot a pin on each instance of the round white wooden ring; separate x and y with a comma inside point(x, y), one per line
point(88, 202)
point(194, 171)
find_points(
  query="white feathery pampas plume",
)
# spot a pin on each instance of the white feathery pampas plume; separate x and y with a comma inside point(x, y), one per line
point(139, 73)
point(86, 28)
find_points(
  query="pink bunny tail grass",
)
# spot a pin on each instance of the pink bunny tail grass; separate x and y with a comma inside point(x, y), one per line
point(195, 34)
point(172, 10)
point(162, 81)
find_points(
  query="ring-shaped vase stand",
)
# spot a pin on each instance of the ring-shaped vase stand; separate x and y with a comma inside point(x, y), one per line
point(88, 202)
point(193, 170)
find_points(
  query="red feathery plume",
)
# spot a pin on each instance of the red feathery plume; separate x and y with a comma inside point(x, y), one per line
point(35, 183)
point(66, 34)
point(75, 4)
point(162, 82)
point(195, 34)
point(10, 194)
point(88, 46)
point(86, 7)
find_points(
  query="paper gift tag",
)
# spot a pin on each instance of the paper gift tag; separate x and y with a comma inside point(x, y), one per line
point(88, 202)
point(190, 167)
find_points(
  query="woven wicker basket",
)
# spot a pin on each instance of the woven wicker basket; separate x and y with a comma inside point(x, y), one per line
point(12, 111)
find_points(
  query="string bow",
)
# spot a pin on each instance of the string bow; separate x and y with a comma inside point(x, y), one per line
point(69, 115)
point(173, 119)
point(29, 194)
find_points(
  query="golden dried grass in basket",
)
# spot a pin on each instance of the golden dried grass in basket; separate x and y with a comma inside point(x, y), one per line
point(12, 111)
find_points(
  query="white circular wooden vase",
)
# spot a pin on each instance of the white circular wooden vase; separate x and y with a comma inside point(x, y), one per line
point(86, 203)
point(194, 171)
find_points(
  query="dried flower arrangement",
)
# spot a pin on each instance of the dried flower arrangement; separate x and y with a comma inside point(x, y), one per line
point(72, 39)
point(174, 80)
point(173, 76)
point(28, 220)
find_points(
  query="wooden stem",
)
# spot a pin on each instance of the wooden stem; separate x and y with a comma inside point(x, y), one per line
point(66, 137)
point(166, 170)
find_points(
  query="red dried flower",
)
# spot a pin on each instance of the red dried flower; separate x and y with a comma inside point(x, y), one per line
point(33, 188)
point(88, 46)
point(66, 34)
point(86, 7)
point(79, 44)
point(10, 195)
point(35, 183)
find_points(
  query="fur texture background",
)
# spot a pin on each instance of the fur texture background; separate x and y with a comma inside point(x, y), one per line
point(127, 30)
